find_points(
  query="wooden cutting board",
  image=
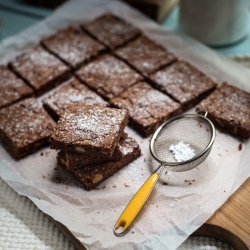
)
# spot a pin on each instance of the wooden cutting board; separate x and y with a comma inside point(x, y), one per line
point(230, 223)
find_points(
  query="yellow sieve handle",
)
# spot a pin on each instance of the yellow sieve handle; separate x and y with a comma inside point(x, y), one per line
point(135, 205)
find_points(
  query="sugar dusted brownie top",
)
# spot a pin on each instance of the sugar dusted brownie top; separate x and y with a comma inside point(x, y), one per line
point(89, 129)
point(183, 82)
point(145, 55)
point(71, 93)
point(147, 107)
point(39, 68)
point(25, 127)
point(108, 75)
point(73, 46)
point(111, 30)
point(12, 87)
point(229, 107)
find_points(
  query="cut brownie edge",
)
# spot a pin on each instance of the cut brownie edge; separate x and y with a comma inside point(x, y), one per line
point(148, 108)
point(40, 69)
point(229, 108)
point(110, 30)
point(95, 174)
point(13, 88)
point(183, 83)
point(73, 41)
point(73, 92)
point(25, 127)
point(89, 129)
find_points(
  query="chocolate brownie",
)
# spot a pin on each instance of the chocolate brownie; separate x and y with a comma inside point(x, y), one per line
point(40, 69)
point(108, 75)
point(147, 107)
point(111, 30)
point(73, 46)
point(89, 129)
point(145, 55)
point(229, 107)
point(183, 82)
point(25, 127)
point(13, 88)
point(93, 175)
point(75, 160)
point(71, 93)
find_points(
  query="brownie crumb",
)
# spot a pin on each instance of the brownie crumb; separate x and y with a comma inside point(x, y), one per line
point(240, 146)
point(58, 179)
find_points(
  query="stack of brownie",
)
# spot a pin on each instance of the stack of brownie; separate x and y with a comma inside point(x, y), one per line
point(93, 143)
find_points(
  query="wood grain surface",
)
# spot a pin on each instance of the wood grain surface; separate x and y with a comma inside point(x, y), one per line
point(231, 222)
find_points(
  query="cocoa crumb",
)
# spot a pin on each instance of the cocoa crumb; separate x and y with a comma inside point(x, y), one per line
point(114, 186)
point(55, 168)
point(103, 187)
point(240, 146)
point(166, 172)
point(133, 232)
point(44, 176)
point(42, 154)
point(125, 185)
point(58, 179)
point(189, 183)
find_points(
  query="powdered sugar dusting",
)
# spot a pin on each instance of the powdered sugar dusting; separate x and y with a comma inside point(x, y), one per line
point(182, 151)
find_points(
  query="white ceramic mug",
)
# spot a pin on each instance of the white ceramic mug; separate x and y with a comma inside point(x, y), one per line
point(215, 22)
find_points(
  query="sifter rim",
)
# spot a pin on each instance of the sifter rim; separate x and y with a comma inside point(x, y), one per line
point(203, 152)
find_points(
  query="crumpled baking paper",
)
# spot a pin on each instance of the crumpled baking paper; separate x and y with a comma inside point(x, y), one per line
point(180, 202)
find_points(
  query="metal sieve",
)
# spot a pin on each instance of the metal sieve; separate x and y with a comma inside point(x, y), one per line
point(197, 131)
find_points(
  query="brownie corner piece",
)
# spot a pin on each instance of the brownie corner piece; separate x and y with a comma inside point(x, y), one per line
point(94, 174)
point(40, 69)
point(13, 89)
point(229, 107)
point(72, 92)
point(73, 46)
point(25, 127)
point(89, 129)
point(148, 108)
point(111, 30)
point(183, 82)
point(145, 55)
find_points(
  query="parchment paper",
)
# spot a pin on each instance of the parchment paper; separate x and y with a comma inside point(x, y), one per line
point(180, 203)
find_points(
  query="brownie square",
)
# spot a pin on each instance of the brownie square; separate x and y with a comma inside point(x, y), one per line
point(73, 46)
point(40, 69)
point(229, 107)
point(13, 88)
point(183, 82)
point(89, 129)
point(25, 127)
point(94, 174)
point(111, 30)
point(108, 76)
point(75, 161)
point(145, 55)
point(73, 92)
point(147, 107)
